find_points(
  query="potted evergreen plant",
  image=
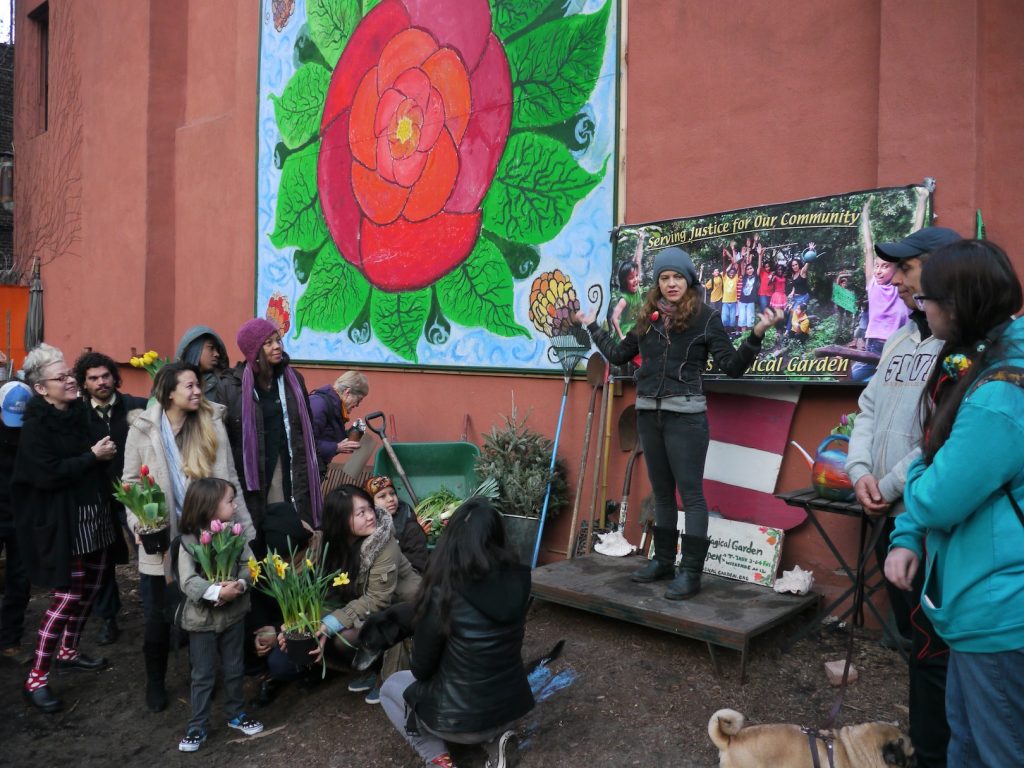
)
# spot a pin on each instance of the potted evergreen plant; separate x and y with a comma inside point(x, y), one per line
point(518, 458)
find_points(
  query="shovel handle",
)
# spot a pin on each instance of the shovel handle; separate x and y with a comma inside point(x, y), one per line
point(370, 418)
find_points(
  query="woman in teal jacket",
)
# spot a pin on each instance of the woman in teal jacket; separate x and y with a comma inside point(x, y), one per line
point(960, 497)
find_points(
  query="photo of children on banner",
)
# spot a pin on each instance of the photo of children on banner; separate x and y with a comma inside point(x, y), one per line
point(627, 300)
point(814, 260)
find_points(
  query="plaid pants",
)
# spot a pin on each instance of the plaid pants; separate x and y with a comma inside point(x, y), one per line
point(65, 618)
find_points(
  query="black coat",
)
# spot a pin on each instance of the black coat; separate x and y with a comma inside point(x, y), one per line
point(472, 679)
point(411, 538)
point(673, 364)
point(229, 393)
point(8, 451)
point(118, 432)
point(118, 429)
point(55, 473)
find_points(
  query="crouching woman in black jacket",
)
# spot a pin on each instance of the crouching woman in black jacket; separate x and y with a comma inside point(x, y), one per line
point(467, 684)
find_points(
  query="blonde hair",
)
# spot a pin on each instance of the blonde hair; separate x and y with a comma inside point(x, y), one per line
point(199, 442)
point(198, 438)
point(353, 381)
point(40, 357)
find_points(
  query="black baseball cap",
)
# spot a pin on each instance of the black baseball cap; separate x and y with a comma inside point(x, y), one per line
point(925, 240)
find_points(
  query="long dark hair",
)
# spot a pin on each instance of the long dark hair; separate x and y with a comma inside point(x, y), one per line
point(342, 548)
point(975, 283)
point(472, 546)
point(200, 504)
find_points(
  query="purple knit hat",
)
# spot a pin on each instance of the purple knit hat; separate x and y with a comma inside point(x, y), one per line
point(251, 336)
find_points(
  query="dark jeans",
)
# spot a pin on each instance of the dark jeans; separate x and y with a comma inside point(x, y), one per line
point(984, 702)
point(204, 648)
point(16, 592)
point(108, 601)
point(929, 656)
point(675, 447)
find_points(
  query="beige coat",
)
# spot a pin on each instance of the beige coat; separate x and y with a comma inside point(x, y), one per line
point(145, 446)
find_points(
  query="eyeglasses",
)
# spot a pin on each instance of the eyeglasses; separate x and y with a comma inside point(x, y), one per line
point(62, 378)
point(920, 299)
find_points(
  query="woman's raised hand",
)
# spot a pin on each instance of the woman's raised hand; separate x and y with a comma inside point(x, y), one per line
point(768, 318)
point(585, 318)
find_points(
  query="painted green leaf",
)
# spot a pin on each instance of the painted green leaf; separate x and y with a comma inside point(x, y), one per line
point(331, 23)
point(369, 5)
point(535, 189)
point(513, 15)
point(298, 108)
point(478, 293)
point(334, 296)
point(555, 67)
point(522, 259)
point(299, 221)
point(398, 318)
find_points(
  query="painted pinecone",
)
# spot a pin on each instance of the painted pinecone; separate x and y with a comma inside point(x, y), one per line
point(553, 302)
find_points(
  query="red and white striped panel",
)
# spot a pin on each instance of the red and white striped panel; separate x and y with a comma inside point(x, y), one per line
point(749, 433)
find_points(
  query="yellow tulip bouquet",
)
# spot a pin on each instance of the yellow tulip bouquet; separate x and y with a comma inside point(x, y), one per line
point(299, 586)
point(150, 362)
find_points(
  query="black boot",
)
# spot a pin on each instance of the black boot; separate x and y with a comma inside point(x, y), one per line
point(109, 632)
point(662, 565)
point(687, 583)
point(156, 671)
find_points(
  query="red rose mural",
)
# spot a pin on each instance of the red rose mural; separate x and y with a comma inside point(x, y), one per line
point(427, 152)
point(414, 124)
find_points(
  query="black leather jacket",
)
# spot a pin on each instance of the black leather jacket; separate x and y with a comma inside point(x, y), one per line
point(673, 364)
point(472, 679)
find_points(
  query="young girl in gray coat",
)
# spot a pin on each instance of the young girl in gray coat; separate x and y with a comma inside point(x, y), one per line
point(213, 613)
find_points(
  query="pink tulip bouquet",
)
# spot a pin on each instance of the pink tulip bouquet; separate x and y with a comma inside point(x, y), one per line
point(219, 550)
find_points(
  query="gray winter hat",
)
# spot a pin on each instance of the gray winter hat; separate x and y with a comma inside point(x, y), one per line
point(678, 260)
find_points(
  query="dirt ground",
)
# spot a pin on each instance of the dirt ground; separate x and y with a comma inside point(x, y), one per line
point(639, 697)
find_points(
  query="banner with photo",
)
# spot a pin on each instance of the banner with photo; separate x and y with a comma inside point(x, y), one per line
point(813, 259)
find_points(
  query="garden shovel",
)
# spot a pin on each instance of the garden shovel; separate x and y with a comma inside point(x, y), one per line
point(595, 378)
point(381, 432)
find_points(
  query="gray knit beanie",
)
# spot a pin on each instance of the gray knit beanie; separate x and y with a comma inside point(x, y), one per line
point(677, 260)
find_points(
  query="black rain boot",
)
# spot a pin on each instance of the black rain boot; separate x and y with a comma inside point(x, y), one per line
point(687, 583)
point(156, 671)
point(662, 565)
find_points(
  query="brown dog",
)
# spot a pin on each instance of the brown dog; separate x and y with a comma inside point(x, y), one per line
point(871, 745)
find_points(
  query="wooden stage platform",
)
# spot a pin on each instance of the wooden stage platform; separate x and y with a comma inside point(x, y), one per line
point(726, 613)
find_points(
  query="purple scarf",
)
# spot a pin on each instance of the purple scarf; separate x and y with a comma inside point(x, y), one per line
point(250, 439)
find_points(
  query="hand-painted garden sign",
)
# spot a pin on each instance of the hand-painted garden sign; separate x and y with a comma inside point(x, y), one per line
point(435, 177)
point(742, 551)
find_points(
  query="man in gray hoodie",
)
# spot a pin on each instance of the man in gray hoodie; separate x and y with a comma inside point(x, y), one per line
point(886, 439)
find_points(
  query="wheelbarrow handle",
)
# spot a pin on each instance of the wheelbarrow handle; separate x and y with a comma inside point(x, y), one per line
point(369, 419)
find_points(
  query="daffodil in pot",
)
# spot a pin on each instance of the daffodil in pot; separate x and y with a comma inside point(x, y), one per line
point(300, 587)
point(146, 501)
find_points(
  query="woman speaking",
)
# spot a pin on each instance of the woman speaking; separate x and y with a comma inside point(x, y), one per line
point(674, 336)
